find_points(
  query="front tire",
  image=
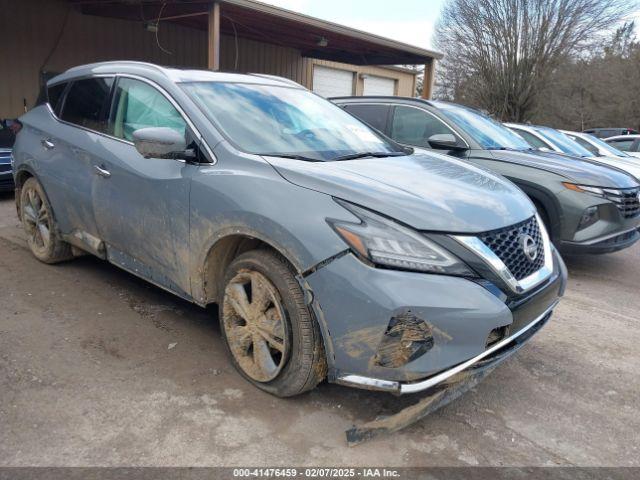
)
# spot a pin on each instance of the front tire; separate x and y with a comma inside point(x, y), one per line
point(36, 215)
point(271, 335)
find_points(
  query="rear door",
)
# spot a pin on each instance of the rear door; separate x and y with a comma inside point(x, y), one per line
point(69, 154)
point(142, 205)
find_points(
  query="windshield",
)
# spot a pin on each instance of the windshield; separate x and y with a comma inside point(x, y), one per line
point(564, 143)
point(284, 121)
point(484, 130)
point(606, 147)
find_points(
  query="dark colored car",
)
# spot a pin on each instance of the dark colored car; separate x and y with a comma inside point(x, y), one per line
point(610, 132)
point(6, 171)
point(588, 207)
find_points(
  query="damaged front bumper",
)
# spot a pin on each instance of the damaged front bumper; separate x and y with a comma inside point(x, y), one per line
point(494, 355)
point(465, 322)
point(446, 390)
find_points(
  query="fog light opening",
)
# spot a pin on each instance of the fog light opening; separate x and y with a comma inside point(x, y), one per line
point(407, 337)
point(496, 335)
point(590, 216)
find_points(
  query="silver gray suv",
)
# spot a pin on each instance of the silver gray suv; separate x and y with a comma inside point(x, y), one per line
point(331, 251)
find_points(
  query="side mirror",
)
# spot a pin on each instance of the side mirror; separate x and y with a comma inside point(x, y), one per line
point(445, 141)
point(161, 142)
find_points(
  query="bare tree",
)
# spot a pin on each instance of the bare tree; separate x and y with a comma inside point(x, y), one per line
point(499, 54)
point(595, 90)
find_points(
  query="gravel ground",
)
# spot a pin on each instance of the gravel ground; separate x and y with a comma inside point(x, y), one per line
point(99, 368)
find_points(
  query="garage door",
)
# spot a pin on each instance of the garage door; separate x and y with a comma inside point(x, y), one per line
point(332, 82)
point(379, 86)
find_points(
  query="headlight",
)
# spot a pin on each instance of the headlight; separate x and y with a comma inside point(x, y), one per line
point(584, 189)
point(598, 191)
point(387, 243)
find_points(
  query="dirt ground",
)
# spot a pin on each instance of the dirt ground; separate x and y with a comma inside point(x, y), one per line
point(100, 368)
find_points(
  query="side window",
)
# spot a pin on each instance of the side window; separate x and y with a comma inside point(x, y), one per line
point(413, 126)
point(374, 115)
point(531, 139)
point(624, 145)
point(635, 147)
point(84, 104)
point(54, 94)
point(138, 105)
point(592, 148)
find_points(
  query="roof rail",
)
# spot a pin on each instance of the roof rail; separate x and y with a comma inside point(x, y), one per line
point(119, 62)
point(288, 81)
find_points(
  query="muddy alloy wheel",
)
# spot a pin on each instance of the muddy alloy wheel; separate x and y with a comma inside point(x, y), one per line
point(37, 221)
point(255, 326)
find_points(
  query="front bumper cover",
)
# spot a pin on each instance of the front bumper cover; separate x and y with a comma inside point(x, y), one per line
point(355, 303)
point(605, 244)
point(510, 343)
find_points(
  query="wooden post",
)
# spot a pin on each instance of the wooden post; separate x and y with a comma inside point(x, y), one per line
point(213, 50)
point(429, 78)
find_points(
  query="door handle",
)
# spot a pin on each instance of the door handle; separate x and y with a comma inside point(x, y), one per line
point(102, 172)
point(47, 143)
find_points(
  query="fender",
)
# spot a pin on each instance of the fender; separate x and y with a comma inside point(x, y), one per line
point(548, 200)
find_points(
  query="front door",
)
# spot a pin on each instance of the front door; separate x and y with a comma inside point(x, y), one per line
point(142, 205)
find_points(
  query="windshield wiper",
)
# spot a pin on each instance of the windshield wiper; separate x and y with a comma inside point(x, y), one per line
point(293, 156)
point(355, 156)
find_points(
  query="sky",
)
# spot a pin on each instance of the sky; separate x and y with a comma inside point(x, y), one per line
point(413, 23)
point(409, 21)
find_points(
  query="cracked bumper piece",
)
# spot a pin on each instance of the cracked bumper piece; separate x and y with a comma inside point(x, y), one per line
point(444, 392)
point(466, 322)
point(494, 355)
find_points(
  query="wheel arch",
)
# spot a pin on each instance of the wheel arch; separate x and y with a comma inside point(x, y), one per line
point(227, 245)
point(546, 200)
point(23, 174)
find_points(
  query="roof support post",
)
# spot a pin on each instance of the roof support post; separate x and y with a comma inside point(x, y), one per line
point(429, 78)
point(213, 43)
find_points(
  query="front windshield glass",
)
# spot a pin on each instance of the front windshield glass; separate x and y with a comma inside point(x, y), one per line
point(483, 129)
point(607, 148)
point(284, 121)
point(564, 143)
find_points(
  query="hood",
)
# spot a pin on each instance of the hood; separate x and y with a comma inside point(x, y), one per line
point(578, 170)
point(626, 164)
point(429, 192)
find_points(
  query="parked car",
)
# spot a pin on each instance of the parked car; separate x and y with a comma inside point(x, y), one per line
point(627, 143)
point(589, 208)
point(596, 145)
point(330, 250)
point(551, 140)
point(6, 173)
point(610, 132)
point(6, 143)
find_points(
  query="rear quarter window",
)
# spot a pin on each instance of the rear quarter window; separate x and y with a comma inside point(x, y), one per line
point(85, 103)
point(54, 95)
point(376, 116)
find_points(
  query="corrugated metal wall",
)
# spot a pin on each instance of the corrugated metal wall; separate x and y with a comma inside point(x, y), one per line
point(30, 29)
point(259, 57)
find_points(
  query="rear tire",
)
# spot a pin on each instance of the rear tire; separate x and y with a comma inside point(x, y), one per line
point(38, 222)
point(269, 331)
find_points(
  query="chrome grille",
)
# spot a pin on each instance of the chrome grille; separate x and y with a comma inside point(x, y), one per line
point(506, 244)
point(627, 200)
